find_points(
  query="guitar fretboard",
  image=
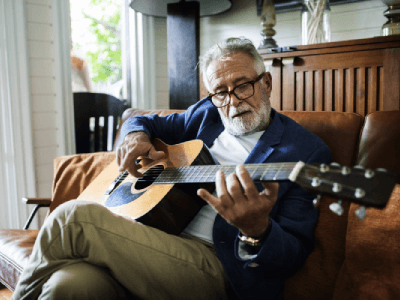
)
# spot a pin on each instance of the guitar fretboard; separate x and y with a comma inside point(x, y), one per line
point(204, 174)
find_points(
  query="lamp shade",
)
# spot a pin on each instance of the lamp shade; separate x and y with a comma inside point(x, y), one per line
point(158, 8)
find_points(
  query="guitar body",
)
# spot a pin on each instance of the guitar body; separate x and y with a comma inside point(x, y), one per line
point(168, 207)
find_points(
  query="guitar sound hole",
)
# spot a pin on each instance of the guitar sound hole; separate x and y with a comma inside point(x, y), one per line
point(149, 177)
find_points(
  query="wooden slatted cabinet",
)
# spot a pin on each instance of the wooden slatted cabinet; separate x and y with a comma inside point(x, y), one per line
point(359, 76)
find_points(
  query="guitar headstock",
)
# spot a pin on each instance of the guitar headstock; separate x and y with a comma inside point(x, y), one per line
point(370, 188)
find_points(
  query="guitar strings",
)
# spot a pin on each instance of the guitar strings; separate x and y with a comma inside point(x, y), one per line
point(207, 173)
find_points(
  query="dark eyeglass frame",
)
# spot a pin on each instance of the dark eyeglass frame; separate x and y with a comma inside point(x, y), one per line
point(252, 82)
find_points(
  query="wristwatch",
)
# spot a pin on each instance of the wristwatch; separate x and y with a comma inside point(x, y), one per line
point(255, 241)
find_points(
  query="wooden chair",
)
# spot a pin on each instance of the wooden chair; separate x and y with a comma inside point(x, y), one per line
point(94, 129)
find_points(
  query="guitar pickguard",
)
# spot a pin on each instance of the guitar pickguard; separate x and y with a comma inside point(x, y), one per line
point(122, 195)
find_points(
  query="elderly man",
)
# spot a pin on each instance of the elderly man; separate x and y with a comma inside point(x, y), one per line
point(247, 239)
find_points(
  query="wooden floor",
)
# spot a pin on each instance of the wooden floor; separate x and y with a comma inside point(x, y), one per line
point(5, 293)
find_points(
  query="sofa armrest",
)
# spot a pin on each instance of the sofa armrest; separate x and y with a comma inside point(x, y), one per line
point(40, 202)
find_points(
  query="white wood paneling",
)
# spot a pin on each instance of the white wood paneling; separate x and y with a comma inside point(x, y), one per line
point(45, 173)
point(43, 103)
point(44, 120)
point(43, 2)
point(42, 156)
point(40, 32)
point(38, 49)
point(43, 85)
point(45, 138)
point(38, 13)
point(42, 67)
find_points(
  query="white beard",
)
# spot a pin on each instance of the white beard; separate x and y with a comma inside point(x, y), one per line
point(249, 123)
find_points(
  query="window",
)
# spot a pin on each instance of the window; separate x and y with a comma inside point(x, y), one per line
point(96, 53)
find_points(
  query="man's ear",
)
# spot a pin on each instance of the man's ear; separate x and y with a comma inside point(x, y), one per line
point(267, 82)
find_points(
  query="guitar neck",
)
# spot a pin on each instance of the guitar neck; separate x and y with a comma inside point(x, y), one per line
point(205, 174)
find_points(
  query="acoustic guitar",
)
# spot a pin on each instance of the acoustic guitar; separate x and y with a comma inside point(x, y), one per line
point(165, 197)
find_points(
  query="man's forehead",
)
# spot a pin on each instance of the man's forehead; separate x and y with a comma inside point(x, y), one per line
point(232, 65)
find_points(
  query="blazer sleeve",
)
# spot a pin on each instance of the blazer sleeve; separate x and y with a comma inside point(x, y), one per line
point(290, 239)
point(174, 128)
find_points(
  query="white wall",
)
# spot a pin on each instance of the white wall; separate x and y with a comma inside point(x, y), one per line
point(348, 21)
point(41, 44)
point(43, 94)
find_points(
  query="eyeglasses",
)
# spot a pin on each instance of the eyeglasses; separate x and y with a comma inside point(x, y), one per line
point(242, 92)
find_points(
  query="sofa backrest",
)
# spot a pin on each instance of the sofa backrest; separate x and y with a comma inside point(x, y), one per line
point(339, 130)
point(380, 142)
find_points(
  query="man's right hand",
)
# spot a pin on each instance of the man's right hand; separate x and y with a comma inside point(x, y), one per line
point(136, 144)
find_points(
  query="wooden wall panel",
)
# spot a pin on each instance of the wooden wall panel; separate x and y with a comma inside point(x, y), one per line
point(391, 93)
point(328, 90)
point(348, 82)
point(288, 94)
point(319, 90)
point(372, 83)
point(380, 87)
point(299, 94)
point(274, 67)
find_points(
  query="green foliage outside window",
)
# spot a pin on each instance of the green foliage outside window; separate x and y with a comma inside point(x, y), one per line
point(101, 39)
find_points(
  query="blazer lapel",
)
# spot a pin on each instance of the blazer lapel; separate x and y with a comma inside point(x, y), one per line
point(210, 132)
point(264, 147)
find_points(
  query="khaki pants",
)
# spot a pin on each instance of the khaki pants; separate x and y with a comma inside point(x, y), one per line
point(84, 251)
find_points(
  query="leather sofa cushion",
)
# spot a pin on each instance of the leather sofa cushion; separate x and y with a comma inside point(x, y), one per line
point(73, 173)
point(371, 269)
point(15, 247)
point(340, 131)
point(380, 142)
point(316, 279)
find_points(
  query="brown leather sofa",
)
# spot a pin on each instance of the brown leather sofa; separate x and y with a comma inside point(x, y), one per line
point(352, 259)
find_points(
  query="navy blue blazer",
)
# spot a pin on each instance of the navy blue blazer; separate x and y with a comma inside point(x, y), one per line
point(290, 239)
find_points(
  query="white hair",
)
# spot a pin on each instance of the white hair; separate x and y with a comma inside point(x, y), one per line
point(224, 49)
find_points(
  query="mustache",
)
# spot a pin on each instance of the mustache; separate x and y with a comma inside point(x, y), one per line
point(233, 111)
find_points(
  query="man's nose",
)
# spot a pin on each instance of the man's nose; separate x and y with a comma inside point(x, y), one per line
point(234, 101)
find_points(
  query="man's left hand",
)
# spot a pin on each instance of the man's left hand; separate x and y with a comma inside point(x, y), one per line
point(239, 202)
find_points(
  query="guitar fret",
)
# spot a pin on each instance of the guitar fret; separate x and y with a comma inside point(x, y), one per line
point(192, 175)
point(211, 173)
point(265, 173)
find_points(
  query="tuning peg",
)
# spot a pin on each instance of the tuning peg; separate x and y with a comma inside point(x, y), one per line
point(381, 170)
point(316, 182)
point(358, 167)
point(337, 208)
point(346, 170)
point(323, 168)
point(369, 173)
point(317, 201)
point(337, 187)
point(360, 212)
point(334, 164)
point(359, 193)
